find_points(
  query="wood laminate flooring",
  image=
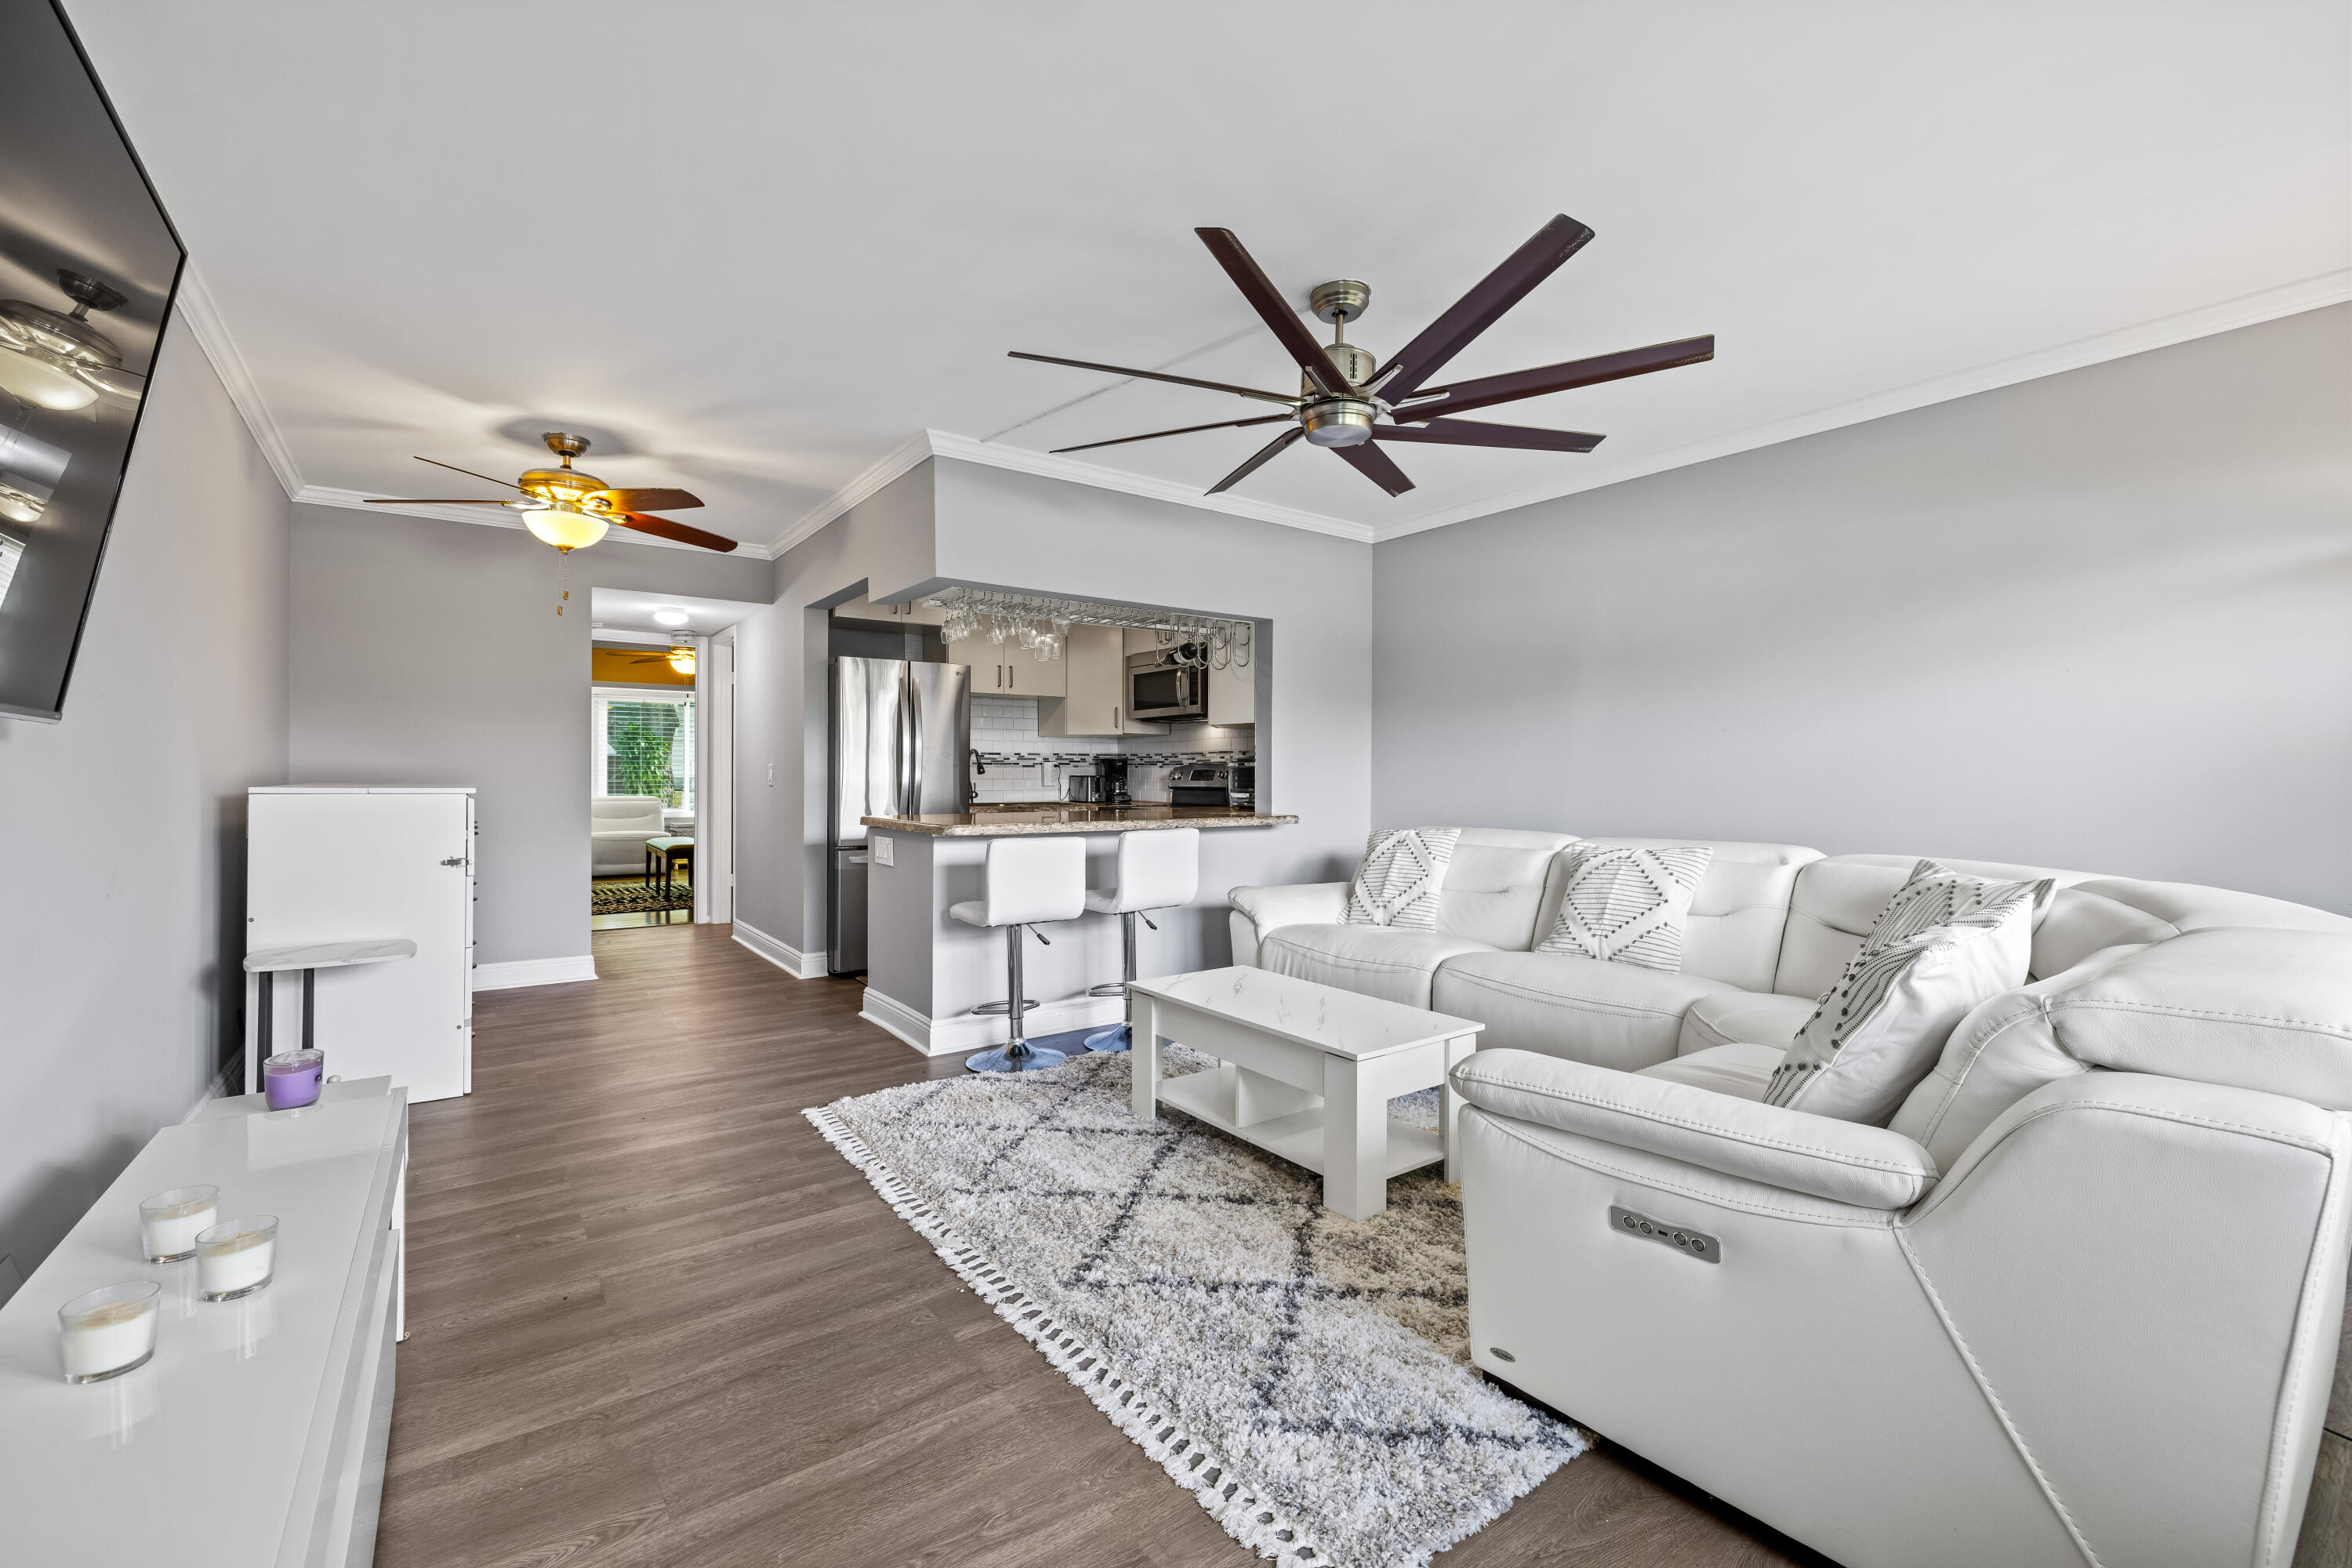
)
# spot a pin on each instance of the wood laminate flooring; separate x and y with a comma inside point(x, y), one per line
point(655, 1319)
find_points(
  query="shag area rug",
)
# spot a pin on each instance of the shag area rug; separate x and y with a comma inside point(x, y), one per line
point(1305, 1375)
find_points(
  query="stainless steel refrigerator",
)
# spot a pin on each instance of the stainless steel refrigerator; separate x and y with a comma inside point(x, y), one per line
point(901, 741)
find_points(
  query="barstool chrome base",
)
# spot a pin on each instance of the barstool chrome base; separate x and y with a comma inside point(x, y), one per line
point(1018, 1057)
point(1114, 1038)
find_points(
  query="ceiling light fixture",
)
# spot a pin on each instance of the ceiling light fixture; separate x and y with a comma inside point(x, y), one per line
point(681, 659)
point(565, 526)
point(668, 618)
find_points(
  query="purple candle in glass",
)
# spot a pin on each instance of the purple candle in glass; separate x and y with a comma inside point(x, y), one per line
point(290, 1079)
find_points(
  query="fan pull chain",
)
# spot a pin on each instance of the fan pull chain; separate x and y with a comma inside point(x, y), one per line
point(563, 579)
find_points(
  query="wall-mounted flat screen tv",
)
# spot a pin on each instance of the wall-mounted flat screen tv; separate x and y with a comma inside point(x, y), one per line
point(88, 264)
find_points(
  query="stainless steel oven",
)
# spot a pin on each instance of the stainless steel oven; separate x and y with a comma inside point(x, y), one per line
point(1168, 683)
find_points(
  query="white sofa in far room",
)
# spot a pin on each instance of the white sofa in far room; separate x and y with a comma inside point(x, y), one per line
point(2079, 1301)
point(618, 826)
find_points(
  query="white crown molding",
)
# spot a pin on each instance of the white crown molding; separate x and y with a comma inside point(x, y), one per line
point(493, 517)
point(203, 317)
point(966, 449)
point(2249, 310)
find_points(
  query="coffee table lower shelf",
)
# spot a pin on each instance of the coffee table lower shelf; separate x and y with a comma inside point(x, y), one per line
point(1296, 1137)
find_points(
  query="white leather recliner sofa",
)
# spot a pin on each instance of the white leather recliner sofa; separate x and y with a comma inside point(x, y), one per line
point(2079, 1302)
point(618, 826)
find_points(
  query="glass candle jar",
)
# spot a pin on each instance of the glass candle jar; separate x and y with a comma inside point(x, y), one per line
point(109, 1331)
point(237, 1257)
point(290, 1079)
point(169, 1222)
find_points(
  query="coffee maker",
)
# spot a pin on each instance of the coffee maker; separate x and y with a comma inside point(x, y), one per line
point(1110, 773)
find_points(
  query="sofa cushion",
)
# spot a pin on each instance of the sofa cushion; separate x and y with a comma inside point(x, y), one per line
point(1740, 1071)
point(1371, 960)
point(1499, 884)
point(1835, 900)
point(1627, 905)
point(1744, 1018)
point(1611, 1014)
point(1944, 943)
point(1398, 882)
point(1736, 917)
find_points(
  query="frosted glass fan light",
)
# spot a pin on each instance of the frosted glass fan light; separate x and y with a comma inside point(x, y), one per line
point(41, 379)
point(564, 526)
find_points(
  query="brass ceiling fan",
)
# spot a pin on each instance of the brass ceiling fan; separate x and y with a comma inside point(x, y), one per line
point(1343, 400)
point(680, 657)
point(572, 510)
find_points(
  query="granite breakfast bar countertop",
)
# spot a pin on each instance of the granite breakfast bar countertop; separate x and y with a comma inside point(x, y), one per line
point(1048, 816)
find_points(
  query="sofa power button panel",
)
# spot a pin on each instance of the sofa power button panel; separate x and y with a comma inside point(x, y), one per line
point(1681, 1237)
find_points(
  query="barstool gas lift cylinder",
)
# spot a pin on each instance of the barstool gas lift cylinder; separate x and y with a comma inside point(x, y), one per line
point(1159, 868)
point(1027, 881)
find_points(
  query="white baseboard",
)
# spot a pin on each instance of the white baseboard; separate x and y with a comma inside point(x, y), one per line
point(976, 1031)
point(534, 971)
point(783, 955)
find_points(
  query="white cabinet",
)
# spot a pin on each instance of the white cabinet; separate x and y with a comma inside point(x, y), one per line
point(1095, 701)
point(907, 615)
point(1232, 694)
point(1005, 670)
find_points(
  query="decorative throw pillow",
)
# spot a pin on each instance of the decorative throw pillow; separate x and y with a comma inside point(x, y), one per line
point(1942, 944)
point(1397, 883)
point(1628, 905)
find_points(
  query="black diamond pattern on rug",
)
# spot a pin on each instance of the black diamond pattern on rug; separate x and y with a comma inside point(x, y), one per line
point(1316, 1366)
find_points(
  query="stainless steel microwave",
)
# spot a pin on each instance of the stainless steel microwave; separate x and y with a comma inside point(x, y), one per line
point(1168, 683)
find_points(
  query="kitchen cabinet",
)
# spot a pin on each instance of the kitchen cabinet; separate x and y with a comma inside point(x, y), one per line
point(1232, 693)
point(907, 615)
point(1094, 701)
point(1005, 670)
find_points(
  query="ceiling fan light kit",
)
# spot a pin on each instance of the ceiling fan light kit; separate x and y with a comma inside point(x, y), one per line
point(572, 510)
point(1344, 396)
point(61, 362)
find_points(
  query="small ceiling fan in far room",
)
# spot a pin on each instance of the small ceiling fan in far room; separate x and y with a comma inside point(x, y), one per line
point(1342, 399)
point(680, 657)
point(571, 510)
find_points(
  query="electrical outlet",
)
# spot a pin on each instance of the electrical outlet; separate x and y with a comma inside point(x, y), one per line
point(883, 851)
point(772, 776)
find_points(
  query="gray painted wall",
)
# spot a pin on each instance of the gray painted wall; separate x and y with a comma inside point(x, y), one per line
point(429, 652)
point(123, 906)
point(2101, 620)
point(946, 521)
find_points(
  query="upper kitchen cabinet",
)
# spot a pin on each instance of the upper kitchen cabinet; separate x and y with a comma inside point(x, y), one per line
point(907, 615)
point(1005, 670)
point(1094, 701)
point(1232, 693)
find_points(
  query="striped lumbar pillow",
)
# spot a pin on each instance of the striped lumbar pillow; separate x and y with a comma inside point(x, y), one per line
point(1628, 905)
point(1397, 883)
point(1942, 944)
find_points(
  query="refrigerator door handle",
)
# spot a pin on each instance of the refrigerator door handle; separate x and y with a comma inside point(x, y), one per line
point(915, 743)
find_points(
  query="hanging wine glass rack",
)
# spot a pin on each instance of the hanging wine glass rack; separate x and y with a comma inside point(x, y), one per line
point(1042, 624)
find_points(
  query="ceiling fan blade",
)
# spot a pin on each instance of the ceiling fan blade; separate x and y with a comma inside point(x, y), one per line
point(1182, 430)
point(663, 528)
point(1275, 310)
point(646, 499)
point(1472, 313)
point(1477, 433)
point(1464, 396)
point(470, 474)
point(1376, 466)
point(1286, 402)
point(430, 500)
point(1257, 460)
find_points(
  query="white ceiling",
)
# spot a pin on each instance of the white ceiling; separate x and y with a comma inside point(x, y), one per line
point(624, 609)
point(757, 248)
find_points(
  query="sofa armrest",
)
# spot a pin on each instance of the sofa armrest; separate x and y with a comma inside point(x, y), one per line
point(1301, 904)
point(1843, 1161)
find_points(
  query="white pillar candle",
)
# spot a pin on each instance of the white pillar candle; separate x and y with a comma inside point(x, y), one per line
point(170, 1222)
point(237, 1257)
point(109, 1331)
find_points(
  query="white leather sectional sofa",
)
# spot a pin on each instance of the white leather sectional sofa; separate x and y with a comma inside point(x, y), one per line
point(2078, 1302)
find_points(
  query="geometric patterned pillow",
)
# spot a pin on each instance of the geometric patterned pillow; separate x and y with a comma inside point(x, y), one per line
point(1944, 943)
point(1628, 905)
point(1397, 883)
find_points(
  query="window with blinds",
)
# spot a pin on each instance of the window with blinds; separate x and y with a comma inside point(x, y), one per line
point(643, 744)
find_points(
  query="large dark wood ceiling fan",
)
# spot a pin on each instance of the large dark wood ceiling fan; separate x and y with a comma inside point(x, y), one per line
point(571, 510)
point(1343, 400)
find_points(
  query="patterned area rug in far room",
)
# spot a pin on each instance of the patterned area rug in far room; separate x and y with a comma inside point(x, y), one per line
point(634, 898)
point(1305, 1375)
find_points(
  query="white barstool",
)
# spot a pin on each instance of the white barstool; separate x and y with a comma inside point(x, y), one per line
point(1029, 881)
point(1159, 868)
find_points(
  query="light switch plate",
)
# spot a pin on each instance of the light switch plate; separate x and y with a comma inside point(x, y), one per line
point(882, 851)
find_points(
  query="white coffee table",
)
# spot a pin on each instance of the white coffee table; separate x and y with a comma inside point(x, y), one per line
point(1305, 1071)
